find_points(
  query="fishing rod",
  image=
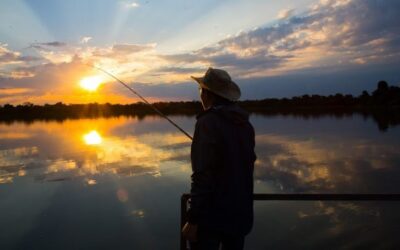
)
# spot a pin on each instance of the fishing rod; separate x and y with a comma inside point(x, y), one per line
point(144, 100)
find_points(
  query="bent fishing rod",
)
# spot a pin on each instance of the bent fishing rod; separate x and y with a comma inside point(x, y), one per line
point(144, 100)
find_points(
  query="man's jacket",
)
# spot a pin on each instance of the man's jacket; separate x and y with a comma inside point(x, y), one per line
point(223, 159)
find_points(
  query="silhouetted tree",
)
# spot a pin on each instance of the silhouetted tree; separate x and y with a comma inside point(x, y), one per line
point(365, 94)
point(383, 86)
point(384, 95)
point(364, 98)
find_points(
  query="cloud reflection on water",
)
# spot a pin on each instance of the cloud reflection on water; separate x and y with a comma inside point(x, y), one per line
point(292, 163)
point(294, 155)
point(328, 164)
point(80, 148)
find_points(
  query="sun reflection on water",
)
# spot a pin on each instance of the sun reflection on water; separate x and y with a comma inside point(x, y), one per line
point(92, 138)
point(89, 148)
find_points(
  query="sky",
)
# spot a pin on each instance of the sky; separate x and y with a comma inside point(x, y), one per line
point(270, 48)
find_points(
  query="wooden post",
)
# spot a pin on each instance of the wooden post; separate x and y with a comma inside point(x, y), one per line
point(184, 200)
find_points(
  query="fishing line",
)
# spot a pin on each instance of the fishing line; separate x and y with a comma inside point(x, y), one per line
point(144, 100)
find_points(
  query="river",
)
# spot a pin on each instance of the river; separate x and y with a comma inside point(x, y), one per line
point(116, 183)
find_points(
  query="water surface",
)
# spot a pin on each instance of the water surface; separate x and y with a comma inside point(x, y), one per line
point(115, 183)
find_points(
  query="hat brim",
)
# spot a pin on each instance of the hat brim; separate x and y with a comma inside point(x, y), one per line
point(232, 94)
point(200, 81)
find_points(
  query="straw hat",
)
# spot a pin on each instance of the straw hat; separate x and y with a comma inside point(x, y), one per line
point(219, 82)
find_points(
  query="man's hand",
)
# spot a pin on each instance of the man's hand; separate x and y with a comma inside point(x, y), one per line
point(189, 231)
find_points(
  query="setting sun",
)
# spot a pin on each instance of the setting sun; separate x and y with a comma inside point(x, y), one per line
point(92, 138)
point(91, 83)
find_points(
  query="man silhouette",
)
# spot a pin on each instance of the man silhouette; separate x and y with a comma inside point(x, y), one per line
point(222, 155)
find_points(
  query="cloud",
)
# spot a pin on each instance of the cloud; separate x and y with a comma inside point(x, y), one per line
point(122, 52)
point(331, 33)
point(286, 13)
point(13, 91)
point(132, 5)
point(18, 74)
point(61, 68)
point(85, 39)
point(131, 48)
point(11, 61)
point(47, 77)
point(8, 57)
point(53, 44)
point(238, 64)
point(179, 70)
point(46, 45)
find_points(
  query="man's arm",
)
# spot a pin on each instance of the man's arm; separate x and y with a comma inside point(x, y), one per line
point(204, 156)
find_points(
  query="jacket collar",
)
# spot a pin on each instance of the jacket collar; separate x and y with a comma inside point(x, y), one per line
point(202, 113)
point(211, 109)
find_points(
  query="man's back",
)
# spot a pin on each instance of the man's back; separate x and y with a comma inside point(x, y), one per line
point(223, 162)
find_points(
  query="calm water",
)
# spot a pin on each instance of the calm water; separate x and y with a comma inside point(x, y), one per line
point(116, 183)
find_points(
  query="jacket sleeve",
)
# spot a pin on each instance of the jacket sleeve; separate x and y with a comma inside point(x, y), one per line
point(204, 159)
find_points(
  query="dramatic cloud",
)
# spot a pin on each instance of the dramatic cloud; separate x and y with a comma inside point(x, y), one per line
point(12, 57)
point(330, 37)
point(11, 61)
point(331, 33)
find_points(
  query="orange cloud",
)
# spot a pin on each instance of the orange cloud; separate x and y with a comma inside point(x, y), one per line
point(14, 91)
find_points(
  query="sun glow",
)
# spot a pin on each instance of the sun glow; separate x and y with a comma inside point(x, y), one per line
point(92, 138)
point(91, 83)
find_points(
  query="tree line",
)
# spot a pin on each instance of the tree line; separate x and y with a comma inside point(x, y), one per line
point(384, 97)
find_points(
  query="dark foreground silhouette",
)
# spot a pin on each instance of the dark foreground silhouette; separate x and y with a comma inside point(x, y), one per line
point(383, 105)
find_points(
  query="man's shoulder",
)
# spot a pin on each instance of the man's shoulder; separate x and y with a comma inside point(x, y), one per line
point(207, 115)
point(225, 114)
point(208, 121)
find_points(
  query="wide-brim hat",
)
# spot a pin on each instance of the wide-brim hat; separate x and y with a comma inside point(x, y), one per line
point(219, 82)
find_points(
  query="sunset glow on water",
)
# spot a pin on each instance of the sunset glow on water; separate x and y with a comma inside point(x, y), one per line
point(138, 168)
point(92, 138)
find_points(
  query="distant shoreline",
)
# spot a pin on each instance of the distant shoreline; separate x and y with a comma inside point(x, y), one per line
point(190, 108)
point(383, 105)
